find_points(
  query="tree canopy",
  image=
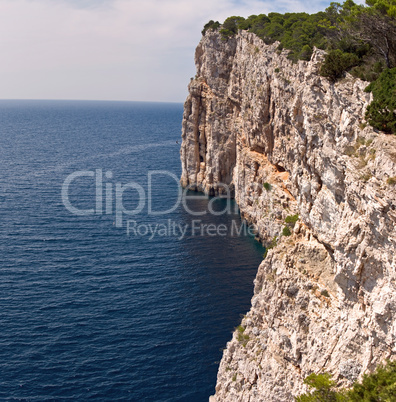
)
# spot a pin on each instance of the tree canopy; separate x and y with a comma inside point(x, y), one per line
point(381, 113)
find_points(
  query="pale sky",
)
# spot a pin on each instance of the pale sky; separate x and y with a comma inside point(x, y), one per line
point(111, 49)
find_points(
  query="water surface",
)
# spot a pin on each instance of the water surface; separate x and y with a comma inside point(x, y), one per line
point(87, 312)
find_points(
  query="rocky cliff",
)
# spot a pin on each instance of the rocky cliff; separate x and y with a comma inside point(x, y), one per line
point(289, 142)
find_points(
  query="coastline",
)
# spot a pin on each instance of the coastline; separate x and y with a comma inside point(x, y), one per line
point(278, 134)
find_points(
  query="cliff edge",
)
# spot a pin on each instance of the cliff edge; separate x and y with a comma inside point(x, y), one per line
point(289, 142)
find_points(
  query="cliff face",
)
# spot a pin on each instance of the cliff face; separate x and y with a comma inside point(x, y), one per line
point(325, 297)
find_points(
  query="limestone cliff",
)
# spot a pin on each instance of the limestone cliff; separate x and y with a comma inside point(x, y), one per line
point(289, 142)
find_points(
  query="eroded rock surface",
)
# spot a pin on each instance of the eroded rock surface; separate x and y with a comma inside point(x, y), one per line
point(288, 142)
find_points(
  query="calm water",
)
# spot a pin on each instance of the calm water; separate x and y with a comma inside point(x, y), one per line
point(87, 312)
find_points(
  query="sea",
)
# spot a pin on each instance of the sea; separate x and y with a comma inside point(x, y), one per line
point(115, 284)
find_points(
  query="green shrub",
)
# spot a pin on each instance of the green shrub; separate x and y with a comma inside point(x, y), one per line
point(391, 181)
point(325, 293)
point(336, 63)
point(273, 242)
point(267, 186)
point(211, 25)
point(362, 126)
point(231, 26)
point(292, 219)
point(305, 53)
point(323, 389)
point(378, 386)
point(286, 231)
point(369, 70)
point(244, 339)
point(381, 112)
point(270, 246)
point(350, 151)
point(360, 141)
point(366, 177)
point(362, 162)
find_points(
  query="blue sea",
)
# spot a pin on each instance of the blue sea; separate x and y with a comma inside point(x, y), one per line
point(89, 311)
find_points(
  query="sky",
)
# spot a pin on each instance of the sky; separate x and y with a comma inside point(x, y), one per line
point(136, 50)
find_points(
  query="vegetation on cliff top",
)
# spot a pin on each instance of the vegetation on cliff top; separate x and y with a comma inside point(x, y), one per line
point(359, 39)
point(381, 112)
point(378, 386)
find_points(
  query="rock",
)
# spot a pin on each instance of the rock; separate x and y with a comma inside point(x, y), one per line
point(350, 369)
point(255, 331)
point(292, 290)
point(279, 143)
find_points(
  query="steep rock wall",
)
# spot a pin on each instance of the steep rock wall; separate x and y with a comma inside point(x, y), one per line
point(324, 297)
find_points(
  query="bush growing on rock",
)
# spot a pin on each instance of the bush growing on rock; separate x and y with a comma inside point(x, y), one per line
point(267, 186)
point(391, 181)
point(272, 244)
point(378, 386)
point(211, 25)
point(286, 231)
point(336, 63)
point(325, 293)
point(323, 387)
point(243, 338)
point(292, 219)
point(381, 113)
point(231, 26)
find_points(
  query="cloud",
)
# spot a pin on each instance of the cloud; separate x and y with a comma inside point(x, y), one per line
point(110, 49)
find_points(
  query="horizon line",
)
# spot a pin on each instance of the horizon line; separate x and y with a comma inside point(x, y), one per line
point(87, 100)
